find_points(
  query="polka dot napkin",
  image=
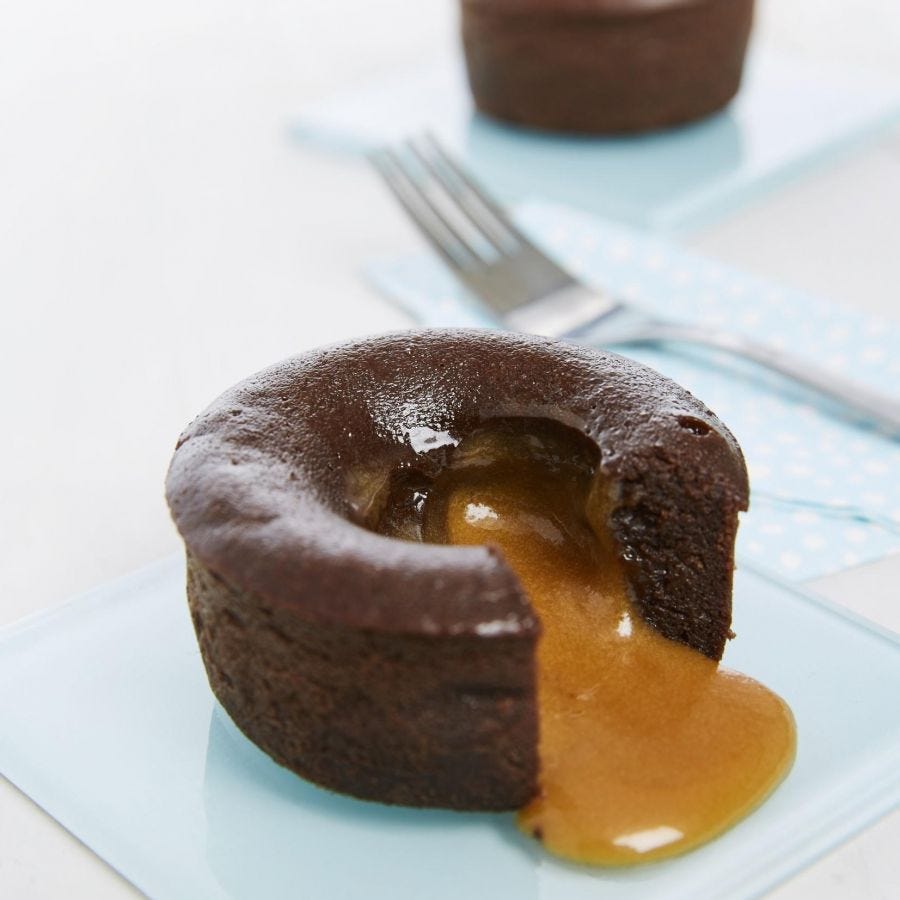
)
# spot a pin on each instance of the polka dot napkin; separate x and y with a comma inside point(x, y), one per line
point(825, 492)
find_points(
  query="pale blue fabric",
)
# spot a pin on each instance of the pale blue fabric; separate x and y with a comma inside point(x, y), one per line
point(826, 493)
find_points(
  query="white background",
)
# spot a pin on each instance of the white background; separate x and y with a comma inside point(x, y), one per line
point(161, 238)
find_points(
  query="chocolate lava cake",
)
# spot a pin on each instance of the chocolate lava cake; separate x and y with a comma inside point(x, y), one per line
point(403, 671)
point(604, 66)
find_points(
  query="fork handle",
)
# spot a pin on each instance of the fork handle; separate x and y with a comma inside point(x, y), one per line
point(865, 404)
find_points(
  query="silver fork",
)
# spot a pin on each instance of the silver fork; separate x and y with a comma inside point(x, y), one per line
point(529, 292)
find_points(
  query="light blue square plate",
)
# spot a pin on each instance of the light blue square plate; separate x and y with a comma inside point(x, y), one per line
point(107, 722)
point(789, 114)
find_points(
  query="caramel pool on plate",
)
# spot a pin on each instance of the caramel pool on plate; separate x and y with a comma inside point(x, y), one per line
point(648, 748)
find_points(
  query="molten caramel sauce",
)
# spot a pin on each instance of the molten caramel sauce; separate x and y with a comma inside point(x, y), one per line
point(647, 747)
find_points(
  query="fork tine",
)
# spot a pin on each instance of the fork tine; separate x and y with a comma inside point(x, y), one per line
point(497, 233)
point(468, 189)
point(445, 238)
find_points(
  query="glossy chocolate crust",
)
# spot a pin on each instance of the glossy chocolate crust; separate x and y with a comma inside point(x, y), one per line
point(400, 671)
point(604, 66)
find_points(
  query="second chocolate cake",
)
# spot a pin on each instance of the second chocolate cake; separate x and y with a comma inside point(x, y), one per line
point(604, 66)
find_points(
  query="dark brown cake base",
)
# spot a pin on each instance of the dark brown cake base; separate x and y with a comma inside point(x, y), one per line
point(607, 66)
point(405, 672)
point(406, 719)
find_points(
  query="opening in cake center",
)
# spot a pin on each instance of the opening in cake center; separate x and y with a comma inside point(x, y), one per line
point(647, 747)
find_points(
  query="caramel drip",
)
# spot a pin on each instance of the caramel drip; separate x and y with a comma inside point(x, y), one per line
point(647, 747)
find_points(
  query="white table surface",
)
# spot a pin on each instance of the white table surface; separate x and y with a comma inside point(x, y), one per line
point(160, 238)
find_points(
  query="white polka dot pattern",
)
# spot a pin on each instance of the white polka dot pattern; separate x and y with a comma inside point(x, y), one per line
point(826, 494)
